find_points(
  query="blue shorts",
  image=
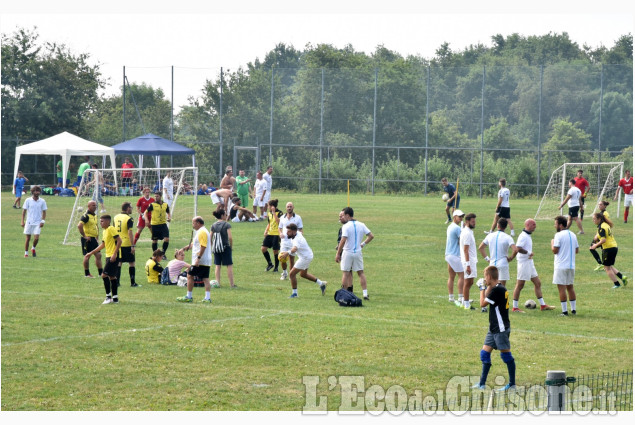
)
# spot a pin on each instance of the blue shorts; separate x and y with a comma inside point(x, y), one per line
point(59, 180)
point(457, 200)
point(18, 192)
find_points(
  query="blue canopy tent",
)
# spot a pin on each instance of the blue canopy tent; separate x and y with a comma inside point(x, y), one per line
point(150, 144)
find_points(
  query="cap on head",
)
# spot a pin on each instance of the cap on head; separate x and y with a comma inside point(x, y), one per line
point(458, 213)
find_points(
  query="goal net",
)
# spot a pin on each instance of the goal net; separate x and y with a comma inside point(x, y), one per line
point(603, 179)
point(111, 188)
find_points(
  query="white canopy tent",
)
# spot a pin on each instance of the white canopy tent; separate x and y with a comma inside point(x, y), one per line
point(66, 145)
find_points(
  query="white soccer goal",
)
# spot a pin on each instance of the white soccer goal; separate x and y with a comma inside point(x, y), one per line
point(126, 185)
point(603, 178)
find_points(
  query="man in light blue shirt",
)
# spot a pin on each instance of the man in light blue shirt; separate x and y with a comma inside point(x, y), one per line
point(453, 253)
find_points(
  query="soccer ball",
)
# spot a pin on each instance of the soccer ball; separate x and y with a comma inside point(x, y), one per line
point(530, 304)
point(214, 284)
point(80, 209)
point(445, 197)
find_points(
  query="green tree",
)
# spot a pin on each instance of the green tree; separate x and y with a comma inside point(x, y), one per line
point(566, 140)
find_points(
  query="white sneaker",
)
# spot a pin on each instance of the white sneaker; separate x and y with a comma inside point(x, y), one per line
point(108, 300)
point(446, 221)
point(102, 211)
point(283, 275)
point(486, 232)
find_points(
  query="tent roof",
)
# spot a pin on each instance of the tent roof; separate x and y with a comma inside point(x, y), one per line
point(149, 144)
point(64, 143)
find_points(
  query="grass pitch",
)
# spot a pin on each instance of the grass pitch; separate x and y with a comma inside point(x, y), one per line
point(249, 350)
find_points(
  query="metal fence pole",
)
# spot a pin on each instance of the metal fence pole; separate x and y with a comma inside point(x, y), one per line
point(425, 186)
point(271, 122)
point(539, 129)
point(600, 117)
point(374, 133)
point(220, 132)
point(556, 384)
point(482, 130)
point(321, 131)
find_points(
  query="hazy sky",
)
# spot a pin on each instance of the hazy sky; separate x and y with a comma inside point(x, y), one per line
point(149, 37)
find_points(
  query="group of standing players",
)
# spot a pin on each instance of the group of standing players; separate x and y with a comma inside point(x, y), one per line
point(461, 257)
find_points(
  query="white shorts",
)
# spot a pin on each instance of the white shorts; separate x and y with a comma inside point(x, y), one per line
point(302, 263)
point(216, 199)
point(628, 200)
point(473, 269)
point(169, 202)
point(267, 197)
point(352, 261)
point(257, 202)
point(526, 271)
point(563, 276)
point(455, 262)
point(236, 220)
point(32, 229)
point(503, 273)
point(286, 245)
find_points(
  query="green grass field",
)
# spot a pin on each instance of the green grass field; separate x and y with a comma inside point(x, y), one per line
point(249, 350)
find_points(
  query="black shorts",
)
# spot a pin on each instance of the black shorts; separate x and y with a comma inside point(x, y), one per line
point(126, 255)
point(608, 256)
point(125, 181)
point(110, 269)
point(573, 212)
point(504, 212)
point(272, 241)
point(224, 258)
point(160, 231)
point(455, 202)
point(89, 245)
point(202, 272)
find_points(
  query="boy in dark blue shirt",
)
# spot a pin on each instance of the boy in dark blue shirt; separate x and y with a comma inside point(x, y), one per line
point(18, 187)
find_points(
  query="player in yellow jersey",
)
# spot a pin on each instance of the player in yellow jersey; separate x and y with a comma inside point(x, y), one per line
point(272, 234)
point(605, 239)
point(123, 223)
point(153, 268)
point(112, 242)
point(602, 208)
point(88, 227)
point(159, 221)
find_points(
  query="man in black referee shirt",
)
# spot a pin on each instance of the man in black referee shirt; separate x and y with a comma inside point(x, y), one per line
point(496, 296)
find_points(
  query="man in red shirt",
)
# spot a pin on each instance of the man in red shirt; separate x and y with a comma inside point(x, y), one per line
point(142, 205)
point(126, 176)
point(582, 184)
point(626, 184)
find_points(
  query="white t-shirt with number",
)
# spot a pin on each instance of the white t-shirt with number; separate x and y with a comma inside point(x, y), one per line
point(34, 210)
point(355, 232)
point(504, 193)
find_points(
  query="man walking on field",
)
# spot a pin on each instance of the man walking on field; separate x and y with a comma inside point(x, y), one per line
point(453, 254)
point(526, 269)
point(626, 184)
point(305, 256)
point(33, 215)
point(349, 251)
point(573, 199)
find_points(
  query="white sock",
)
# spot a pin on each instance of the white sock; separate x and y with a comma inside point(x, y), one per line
point(572, 304)
point(515, 303)
point(466, 303)
point(207, 295)
point(26, 252)
point(563, 304)
point(318, 281)
point(513, 233)
point(365, 291)
point(460, 298)
point(295, 291)
point(541, 301)
point(451, 297)
point(189, 294)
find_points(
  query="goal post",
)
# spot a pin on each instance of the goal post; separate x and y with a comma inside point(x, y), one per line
point(111, 188)
point(603, 179)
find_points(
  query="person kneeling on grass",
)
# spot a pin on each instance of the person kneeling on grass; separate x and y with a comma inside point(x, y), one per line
point(177, 265)
point(305, 256)
point(496, 296)
point(153, 268)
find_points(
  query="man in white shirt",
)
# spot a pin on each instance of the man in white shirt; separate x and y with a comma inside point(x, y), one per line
point(526, 269)
point(453, 255)
point(260, 193)
point(285, 242)
point(467, 246)
point(305, 256)
point(355, 236)
point(33, 215)
point(267, 177)
point(564, 246)
point(168, 189)
point(502, 207)
point(573, 200)
point(201, 260)
point(499, 243)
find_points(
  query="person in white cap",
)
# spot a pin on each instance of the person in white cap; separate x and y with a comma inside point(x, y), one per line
point(453, 254)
